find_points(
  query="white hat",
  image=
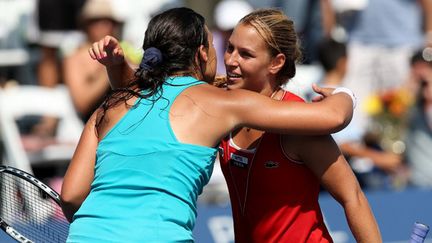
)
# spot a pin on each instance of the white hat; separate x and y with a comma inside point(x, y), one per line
point(96, 9)
point(229, 12)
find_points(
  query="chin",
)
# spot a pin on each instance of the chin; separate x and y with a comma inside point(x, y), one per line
point(234, 86)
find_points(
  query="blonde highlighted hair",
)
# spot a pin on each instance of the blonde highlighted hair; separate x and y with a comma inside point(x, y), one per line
point(278, 32)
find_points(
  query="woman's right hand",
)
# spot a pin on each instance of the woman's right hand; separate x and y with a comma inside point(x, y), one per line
point(107, 51)
point(327, 91)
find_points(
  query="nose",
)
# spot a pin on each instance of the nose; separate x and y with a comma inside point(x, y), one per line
point(231, 58)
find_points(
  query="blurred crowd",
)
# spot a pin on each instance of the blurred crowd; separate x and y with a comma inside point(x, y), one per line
point(384, 57)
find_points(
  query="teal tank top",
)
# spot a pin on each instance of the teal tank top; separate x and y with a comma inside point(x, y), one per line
point(146, 182)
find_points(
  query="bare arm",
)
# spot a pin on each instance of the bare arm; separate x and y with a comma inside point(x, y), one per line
point(323, 157)
point(86, 87)
point(387, 161)
point(110, 54)
point(79, 175)
point(257, 111)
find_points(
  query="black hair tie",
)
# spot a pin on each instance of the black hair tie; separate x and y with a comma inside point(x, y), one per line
point(152, 57)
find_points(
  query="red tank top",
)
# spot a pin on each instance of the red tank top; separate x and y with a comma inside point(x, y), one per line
point(273, 198)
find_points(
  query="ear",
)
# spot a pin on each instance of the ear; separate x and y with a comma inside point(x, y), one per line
point(202, 52)
point(277, 63)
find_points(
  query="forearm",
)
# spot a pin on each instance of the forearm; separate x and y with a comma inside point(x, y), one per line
point(74, 191)
point(120, 75)
point(327, 116)
point(387, 161)
point(361, 220)
point(69, 210)
point(339, 109)
point(318, 118)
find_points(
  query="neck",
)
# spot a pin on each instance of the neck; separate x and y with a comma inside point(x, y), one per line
point(270, 90)
point(185, 73)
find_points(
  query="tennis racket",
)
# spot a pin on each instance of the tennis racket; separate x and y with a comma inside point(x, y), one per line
point(30, 210)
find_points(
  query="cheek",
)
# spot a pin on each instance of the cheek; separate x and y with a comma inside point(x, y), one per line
point(254, 80)
point(254, 71)
point(226, 56)
point(212, 60)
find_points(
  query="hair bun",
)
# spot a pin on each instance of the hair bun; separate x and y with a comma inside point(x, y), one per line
point(152, 57)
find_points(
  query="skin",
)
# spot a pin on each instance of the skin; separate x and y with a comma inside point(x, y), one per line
point(207, 121)
point(89, 82)
point(250, 66)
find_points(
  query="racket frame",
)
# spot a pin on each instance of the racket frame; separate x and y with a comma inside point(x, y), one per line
point(34, 181)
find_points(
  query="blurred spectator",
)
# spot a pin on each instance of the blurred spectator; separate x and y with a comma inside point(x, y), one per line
point(86, 79)
point(382, 38)
point(17, 33)
point(16, 30)
point(332, 55)
point(227, 14)
point(314, 19)
point(57, 23)
point(370, 163)
point(419, 136)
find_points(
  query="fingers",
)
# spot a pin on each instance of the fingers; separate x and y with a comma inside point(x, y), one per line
point(101, 48)
point(107, 51)
point(107, 40)
point(317, 98)
point(96, 50)
point(316, 88)
point(324, 91)
point(92, 54)
point(118, 52)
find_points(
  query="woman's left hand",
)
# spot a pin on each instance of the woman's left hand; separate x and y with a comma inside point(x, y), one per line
point(322, 91)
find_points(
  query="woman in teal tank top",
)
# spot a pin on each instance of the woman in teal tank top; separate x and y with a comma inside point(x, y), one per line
point(148, 151)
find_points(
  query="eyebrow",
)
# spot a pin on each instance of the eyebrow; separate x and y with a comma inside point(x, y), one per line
point(242, 48)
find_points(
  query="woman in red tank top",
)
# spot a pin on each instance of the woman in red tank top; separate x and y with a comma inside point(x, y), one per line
point(274, 179)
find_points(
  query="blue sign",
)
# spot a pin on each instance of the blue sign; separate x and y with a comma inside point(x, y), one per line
point(396, 212)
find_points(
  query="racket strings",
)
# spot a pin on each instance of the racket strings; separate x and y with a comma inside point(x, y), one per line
point(31, 211)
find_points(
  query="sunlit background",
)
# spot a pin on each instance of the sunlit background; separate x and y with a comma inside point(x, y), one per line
point(380, 49)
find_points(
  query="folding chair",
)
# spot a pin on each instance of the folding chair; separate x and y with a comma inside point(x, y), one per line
point(19, 101)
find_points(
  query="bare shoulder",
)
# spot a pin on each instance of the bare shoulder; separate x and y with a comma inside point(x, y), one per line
point(107, 119)
point(304, 145)
point(212, 92)
point(294, 145)
point(218, 98)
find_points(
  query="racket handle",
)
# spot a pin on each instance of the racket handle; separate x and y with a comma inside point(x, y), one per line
point(419, 233)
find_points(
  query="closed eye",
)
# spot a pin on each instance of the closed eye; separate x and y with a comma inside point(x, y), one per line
point(229, 48)
point(246, 54)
